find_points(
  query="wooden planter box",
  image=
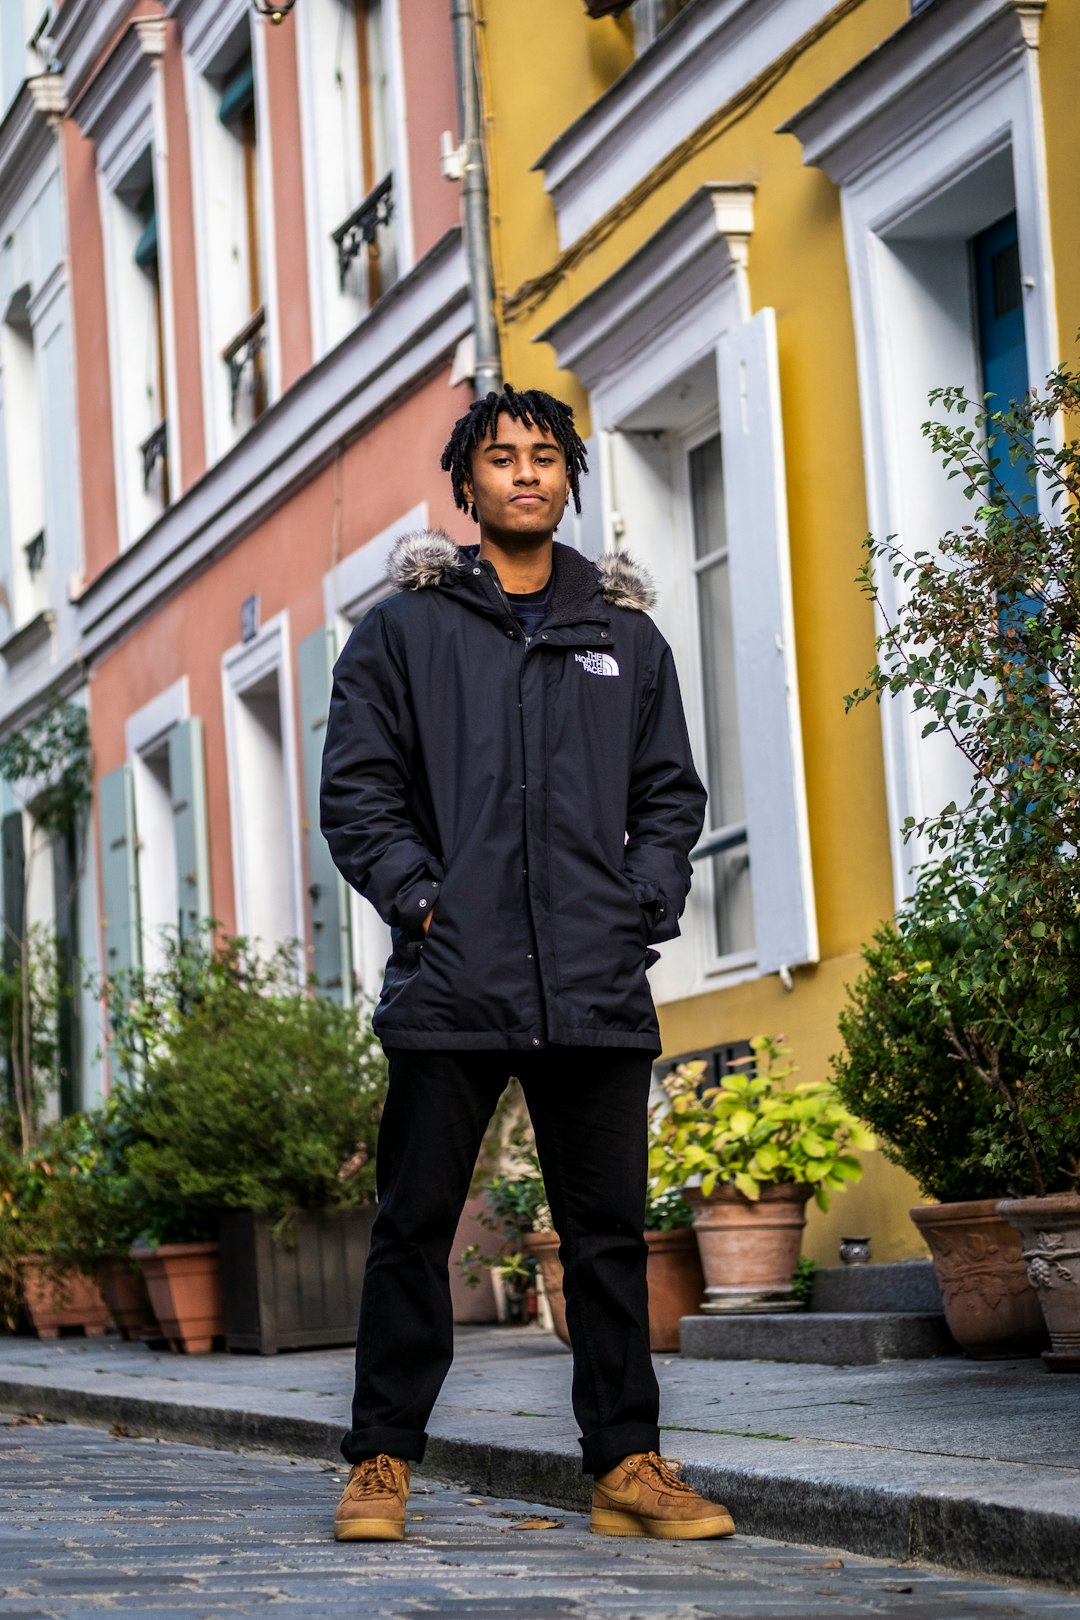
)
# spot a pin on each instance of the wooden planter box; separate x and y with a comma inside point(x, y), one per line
point(279, 1296)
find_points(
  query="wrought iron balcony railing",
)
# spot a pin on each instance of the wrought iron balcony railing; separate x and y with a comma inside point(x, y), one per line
point(244, 357)
point(362, 227)
point(154, 452)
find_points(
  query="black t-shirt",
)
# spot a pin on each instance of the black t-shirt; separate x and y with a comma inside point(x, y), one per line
point(530, 609)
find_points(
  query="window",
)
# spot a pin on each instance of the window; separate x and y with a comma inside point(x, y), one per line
point(244, 354)
point(948, 248)
point(354, 194)
point(726, 830)
point(670, 355)
point(137, 332)
point(22, 423)
point(263, 787)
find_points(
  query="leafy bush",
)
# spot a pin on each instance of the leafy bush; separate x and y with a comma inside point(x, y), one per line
point(251, 1093)
point(932, 1114)
point(987, 645)
point(755, 1130)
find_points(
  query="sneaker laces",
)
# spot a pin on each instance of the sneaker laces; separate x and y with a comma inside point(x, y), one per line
point(374, 1477)
point(666, 1470)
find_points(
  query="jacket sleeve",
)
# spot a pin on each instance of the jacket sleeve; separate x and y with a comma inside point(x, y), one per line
point(367, 767)
point(666, 805)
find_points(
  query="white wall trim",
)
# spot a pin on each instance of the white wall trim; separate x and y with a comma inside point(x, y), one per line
point(696, 260)
point(403, 210)
point(361, 575)
point(241, 667)
point(953, 95)
point(207, 27)
point(413, 329)
point(701, 59)
point(81, 30)
point(147, 728)
point(911, 81)
point(116, 112)
point(268, 269)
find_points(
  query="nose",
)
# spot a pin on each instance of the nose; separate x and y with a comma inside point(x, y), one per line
point(525, 473)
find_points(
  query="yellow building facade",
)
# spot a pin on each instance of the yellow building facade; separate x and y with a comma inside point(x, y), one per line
point(745, 238)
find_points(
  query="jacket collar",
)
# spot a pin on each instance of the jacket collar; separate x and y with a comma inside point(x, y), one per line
point(431, 559)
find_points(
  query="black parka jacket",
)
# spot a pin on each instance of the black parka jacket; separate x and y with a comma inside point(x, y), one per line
point(538, 795)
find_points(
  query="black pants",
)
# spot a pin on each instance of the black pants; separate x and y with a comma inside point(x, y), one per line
point(588, 1108)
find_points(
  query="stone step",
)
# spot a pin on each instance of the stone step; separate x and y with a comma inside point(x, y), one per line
point(841, 1338)
point(904, 1285)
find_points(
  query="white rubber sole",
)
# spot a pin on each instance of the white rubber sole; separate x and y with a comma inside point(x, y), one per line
point(614, 1522)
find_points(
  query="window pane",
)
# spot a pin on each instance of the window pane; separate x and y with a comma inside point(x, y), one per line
point(723, 761)
point(707, 497)
point(734, 901)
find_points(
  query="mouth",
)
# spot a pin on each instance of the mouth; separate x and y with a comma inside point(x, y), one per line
point(528, 500)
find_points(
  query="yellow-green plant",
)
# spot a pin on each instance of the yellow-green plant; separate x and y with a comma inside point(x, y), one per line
point(754, 1129)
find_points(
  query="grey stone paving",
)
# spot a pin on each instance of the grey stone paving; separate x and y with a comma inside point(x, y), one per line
point(92, 1524)
point(973, 1465)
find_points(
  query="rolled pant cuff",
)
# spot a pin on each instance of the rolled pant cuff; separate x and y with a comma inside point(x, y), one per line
point(408, 1444)
point(602, 1449)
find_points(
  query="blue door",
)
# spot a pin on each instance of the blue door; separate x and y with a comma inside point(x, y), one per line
point(999, 308)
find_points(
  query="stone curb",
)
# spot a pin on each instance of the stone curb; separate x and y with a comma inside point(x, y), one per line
point(965, 1533)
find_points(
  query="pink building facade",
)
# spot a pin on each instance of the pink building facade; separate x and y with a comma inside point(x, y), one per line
point(268, 307)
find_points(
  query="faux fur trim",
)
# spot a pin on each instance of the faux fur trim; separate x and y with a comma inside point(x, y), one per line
point(624, 584)
point(418, 560)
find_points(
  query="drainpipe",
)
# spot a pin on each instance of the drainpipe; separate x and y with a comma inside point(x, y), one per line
point(488, 374)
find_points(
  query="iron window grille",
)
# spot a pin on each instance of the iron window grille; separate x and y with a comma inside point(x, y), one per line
point(243, 356)
point(35, 554)
point(362, 227)
point(154, 452)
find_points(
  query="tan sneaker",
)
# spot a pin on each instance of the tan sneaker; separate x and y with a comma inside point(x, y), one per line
point(644, 1496)
point(372, 1505)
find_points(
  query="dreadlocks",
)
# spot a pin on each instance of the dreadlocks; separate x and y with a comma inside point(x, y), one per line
point(532, 407)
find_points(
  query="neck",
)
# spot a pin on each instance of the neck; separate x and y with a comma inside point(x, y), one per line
point(524, 568)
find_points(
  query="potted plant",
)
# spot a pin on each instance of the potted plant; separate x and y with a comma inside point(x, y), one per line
point(516, 1211)
point(985, 644)
point(901, 1071)
point(42, 1262)
point(758, 1150)
point(255, 1118)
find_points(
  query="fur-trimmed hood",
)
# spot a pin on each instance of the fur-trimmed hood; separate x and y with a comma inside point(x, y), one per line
point(430, 557)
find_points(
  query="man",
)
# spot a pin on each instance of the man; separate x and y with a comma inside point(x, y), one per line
point(507, 778)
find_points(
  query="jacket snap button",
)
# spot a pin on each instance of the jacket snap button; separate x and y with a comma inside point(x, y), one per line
point(529, 957)
point(603, 635)
point(423, 903)
point(510, 633)
point(535, 1041)
point(476, 570)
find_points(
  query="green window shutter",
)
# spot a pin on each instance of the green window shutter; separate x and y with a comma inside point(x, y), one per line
point(330, 913)
point(187, 774)
point(119, 873)
point(65, 859)
point(14, 856)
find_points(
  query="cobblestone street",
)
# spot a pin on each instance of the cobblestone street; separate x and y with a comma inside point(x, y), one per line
point(95, 1523)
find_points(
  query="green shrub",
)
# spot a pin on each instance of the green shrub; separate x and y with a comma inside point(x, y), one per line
point(253, 1094)
point(931, 1114)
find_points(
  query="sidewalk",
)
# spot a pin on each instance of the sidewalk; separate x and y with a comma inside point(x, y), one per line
point(971, 1465)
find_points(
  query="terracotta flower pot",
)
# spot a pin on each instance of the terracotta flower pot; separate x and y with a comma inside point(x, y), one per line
point(124, 1288)
point(72, 1300)
point(749, 1248)
point(674, 1275)
point(184, 1284)
point(991, 1310)
point(1049, 1230)
point(676, 1284)
point(544, 1249)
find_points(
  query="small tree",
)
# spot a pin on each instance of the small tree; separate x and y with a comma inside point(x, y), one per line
point(987, 646)
point(47, 764)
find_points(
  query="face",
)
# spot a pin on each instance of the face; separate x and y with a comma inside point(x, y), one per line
point(519, 484)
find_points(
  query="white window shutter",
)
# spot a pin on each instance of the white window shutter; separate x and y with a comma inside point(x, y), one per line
point(768, 700)
point(187, 775)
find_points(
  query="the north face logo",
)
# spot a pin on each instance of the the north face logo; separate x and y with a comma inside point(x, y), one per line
point(597, 663)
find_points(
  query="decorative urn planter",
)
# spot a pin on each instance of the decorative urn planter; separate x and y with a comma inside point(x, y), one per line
point(991, 1310)
point(749, 1248)
point(70, 1300)
point(674, 1275)
point(184, 1284)
point(1049, 1232)
point(122, 1284)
